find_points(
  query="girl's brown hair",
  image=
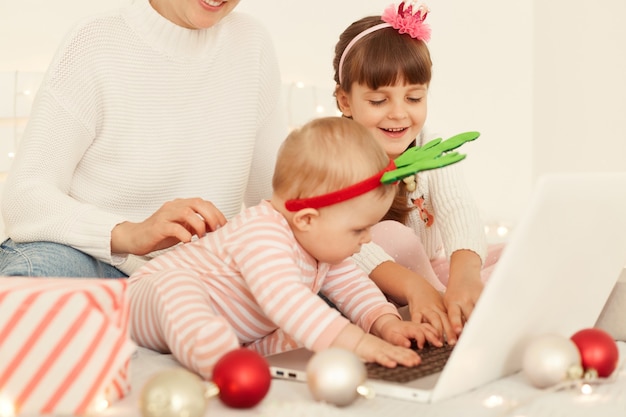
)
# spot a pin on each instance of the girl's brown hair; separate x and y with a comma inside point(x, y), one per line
point(382, 58)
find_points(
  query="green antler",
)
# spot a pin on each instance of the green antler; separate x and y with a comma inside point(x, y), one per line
point(434, 154)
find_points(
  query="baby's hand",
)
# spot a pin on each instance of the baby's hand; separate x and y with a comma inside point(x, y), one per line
point(401, 333)
point(373, 349)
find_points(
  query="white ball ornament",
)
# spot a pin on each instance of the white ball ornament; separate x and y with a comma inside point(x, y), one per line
point(334, 376)
point(550, 359)
point(174, 393)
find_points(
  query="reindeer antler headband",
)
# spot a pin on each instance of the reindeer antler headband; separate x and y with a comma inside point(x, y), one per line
point(434, 154)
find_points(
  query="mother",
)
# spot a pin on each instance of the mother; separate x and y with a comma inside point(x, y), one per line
point(149, 118)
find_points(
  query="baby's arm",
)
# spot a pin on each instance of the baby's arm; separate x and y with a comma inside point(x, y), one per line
point(398, 332)
point(389, 345)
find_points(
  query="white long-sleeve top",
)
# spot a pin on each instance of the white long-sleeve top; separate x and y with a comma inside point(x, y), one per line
point(259, 279)
point(456, 222)
point(135, 111)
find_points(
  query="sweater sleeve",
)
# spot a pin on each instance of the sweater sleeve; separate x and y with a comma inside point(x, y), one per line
point(37, 205)
point(370, 256)
point(456, 214)
point(446, 196)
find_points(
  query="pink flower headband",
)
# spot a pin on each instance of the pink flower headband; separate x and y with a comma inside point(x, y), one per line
point(403, 19)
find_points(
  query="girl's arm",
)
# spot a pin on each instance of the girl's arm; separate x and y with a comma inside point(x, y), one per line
point(464, 287)
point(406, 288)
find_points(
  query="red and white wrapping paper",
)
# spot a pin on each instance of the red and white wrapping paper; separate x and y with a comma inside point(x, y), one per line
point(64, 344)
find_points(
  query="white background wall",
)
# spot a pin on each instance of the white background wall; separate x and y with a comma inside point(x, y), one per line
point(543, 81)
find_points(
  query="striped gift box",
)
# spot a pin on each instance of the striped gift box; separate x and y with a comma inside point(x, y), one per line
point(64, 344)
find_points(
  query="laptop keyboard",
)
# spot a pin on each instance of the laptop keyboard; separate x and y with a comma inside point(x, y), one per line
point(433, 360)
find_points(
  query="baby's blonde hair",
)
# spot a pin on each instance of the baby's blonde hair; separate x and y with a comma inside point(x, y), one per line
point(325, 155)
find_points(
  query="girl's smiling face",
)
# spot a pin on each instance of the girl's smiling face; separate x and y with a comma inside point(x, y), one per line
point(394, 114)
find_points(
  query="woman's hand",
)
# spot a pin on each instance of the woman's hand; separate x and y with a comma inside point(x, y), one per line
point(176, 221)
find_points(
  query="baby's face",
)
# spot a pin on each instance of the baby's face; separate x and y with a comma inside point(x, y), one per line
point(341, 229)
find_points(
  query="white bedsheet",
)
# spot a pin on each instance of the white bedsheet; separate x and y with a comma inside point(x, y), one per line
point(511, 396)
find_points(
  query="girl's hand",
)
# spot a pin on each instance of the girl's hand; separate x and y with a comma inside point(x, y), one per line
point(460, 299)
point(176, 221)
point(464, 287)
point(426, 305)
point(404, 287)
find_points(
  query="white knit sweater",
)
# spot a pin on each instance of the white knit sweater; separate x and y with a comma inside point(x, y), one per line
point(135, 111)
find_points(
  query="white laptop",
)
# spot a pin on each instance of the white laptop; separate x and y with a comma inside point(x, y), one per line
point(554, 276)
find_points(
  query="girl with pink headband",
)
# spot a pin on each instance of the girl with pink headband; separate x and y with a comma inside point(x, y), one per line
point(433, 228)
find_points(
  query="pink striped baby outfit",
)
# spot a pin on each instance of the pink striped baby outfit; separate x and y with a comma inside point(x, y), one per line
point(249, 283)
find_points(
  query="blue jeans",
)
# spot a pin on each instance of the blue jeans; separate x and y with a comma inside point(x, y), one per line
point(48, 259)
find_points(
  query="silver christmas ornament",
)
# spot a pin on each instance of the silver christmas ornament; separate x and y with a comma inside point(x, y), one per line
point(550, 359)
point(174, 393)
point(334, 376)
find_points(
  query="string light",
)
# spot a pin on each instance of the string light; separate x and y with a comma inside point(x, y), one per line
point(15, 117)
point(305, 102)
point(100, 404)
point(494, 401)
point(7, 408)
point(497, 231)
point(586, 389)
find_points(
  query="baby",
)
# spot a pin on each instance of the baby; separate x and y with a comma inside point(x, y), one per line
point(254, 282)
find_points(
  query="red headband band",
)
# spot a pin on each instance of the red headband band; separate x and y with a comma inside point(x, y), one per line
point(338, 196)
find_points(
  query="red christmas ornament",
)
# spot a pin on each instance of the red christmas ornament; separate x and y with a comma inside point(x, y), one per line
point(598, 350)
point(243, 378)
